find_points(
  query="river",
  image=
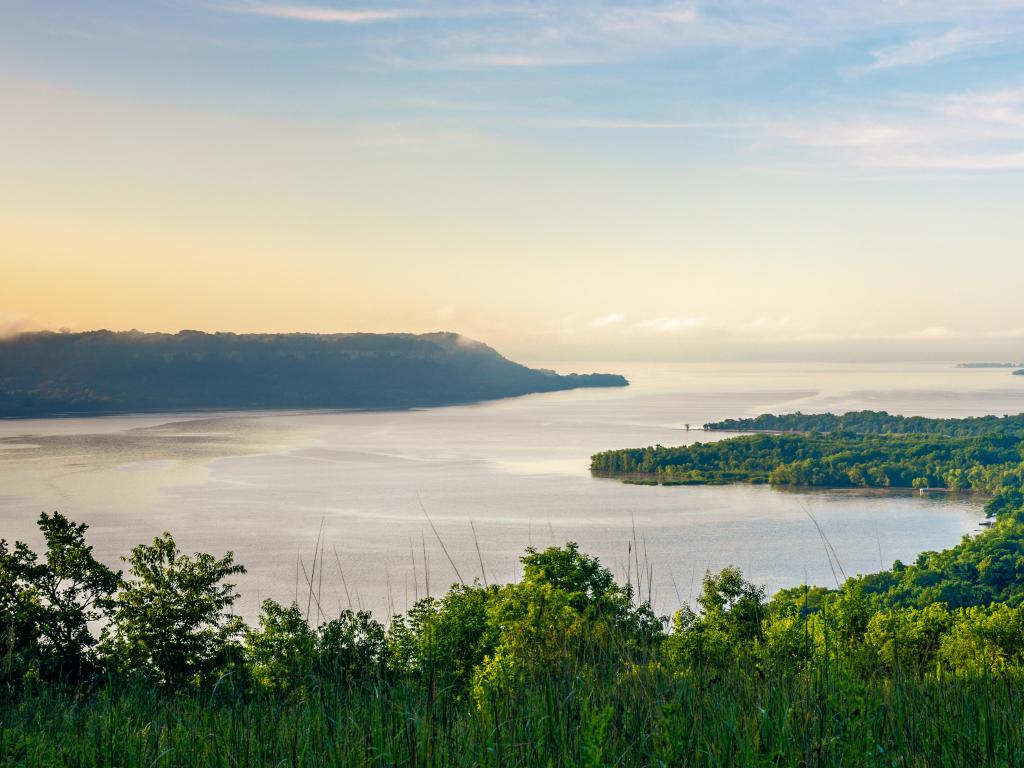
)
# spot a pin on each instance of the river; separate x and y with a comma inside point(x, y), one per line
point(493, 478)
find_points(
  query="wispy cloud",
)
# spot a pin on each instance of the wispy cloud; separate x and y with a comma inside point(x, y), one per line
point(529, 34)
point(672, 324)
point(646, 19)
point(957, 132)
point(511, 60)
point(691, 328)
point(324, 14)
point(859, 132)
point(1008, 161)
point(924, 50)
point(366, 15)
point(998, 108)
point(617, 124)
point(784, 330)
point(615, 318)
point(927, 334)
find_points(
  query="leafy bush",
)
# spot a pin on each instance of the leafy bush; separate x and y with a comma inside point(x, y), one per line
point(171, 620)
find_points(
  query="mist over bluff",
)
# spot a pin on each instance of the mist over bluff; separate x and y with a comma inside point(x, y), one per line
point(97, 372)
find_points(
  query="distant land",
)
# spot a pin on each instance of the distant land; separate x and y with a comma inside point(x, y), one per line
point(97, 372)
point(990, 365)
point(874, 423)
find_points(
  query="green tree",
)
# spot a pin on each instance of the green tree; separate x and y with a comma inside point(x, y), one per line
point(18, 631)
point(46, 606)
point(566, 611)
point(731, 610)
point(172, 619)
point(445, 638)
point(351, 646)
point(281, 648)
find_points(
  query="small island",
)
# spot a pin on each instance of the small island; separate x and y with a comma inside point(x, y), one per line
point(103, 372)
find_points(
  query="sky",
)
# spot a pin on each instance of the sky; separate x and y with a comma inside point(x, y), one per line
point(563, 180)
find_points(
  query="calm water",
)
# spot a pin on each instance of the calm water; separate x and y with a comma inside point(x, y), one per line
point(265, 484)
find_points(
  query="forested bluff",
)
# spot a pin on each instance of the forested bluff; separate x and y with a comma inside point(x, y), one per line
point(102, 372)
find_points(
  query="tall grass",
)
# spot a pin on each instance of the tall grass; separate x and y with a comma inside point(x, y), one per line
point(602, 715)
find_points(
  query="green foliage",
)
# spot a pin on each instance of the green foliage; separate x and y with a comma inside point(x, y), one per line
point(171, 620)
point(351, 647)
point(567, 607)
point(594, 736)
point(282, 648)
point(980, 570)
point(46, 606)
point(564, 668)
point(874, 423)
point(283, 651)
point(445, 638)
point(988, 463)
point(731, 611)
point(489, 639)
point(837, 714)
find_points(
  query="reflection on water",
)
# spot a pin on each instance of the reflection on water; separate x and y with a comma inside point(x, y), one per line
point(263, 484)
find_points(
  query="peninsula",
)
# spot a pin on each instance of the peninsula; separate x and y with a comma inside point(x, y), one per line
point(97, 372)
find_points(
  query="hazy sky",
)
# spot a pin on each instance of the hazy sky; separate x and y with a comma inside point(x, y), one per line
point(674, 180)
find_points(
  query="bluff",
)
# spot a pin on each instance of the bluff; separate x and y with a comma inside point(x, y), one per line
point(44, 374)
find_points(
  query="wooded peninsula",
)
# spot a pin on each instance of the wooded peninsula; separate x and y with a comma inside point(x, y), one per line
point(46, 374)
point(866, 449)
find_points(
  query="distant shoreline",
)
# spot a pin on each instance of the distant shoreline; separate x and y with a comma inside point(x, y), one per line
point(990, 365)
point(280, 411)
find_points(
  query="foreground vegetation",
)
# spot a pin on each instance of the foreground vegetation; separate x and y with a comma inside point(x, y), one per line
point(741, 716)
point(919, 665)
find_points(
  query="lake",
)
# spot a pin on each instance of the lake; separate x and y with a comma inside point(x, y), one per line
point(494, 478)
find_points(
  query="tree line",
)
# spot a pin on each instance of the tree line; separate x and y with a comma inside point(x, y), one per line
point(873, 423)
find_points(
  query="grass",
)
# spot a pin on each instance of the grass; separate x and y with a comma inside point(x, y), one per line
point(829, 716)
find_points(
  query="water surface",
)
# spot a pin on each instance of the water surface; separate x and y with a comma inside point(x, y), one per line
point(495, 477)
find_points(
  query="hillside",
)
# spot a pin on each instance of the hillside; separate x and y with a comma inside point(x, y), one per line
point(43, 374)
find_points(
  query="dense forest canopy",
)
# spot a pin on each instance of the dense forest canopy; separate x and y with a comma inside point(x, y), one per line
point(863, 449)
point(104, 372)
